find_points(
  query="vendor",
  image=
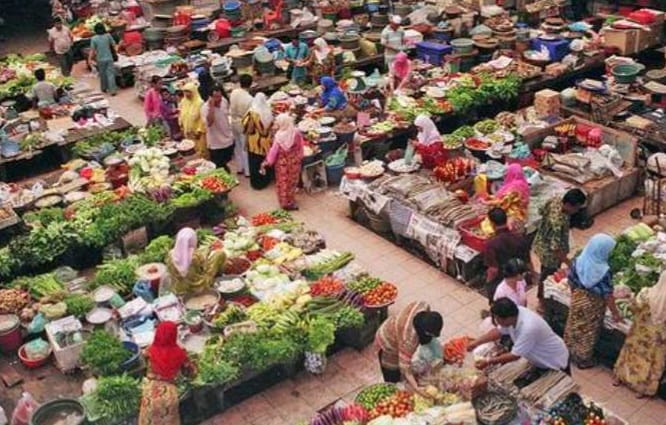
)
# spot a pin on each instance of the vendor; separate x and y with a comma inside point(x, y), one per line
point(296, 54)
point(514, 196)
point(166, 360)
point(532, 338)
point(427, 130)
point(332, 98)
point(591, 292)
point(400, 71)
point(322, 61)
point(190, 120)
point(393, 40)
point(191, 268)
point(398, 339)
point(551, 243)
point(642, 360)
point(43, 93)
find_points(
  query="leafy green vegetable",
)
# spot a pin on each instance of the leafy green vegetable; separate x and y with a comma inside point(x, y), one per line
point(157, 250)
point(212, 368)
point(45, 216)
point(258, 351)
point(79, 304)
point(104, 353)
point(321, 334)
point(119, 274)
point(115, 398)
point(349, 317)
point(620, 257)
point(39, 286)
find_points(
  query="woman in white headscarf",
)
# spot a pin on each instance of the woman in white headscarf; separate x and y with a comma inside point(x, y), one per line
point(257, 128)
point(286, 155)
point(642, 360)
point(427, 134)
point(322, 60)
point(191, 268)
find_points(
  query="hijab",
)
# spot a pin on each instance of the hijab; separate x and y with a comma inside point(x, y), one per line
point(190, 109)
point(592, 263)
point(656, 298)
point(285, 136)
point(332, 92)
point(261, 107)
point(183, 251)
point(515, 181)
point(401, 66)
point(428, 132)
point(166, 356)
point(322, 49)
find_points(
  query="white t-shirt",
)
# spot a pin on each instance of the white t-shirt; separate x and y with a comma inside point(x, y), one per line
point(62, 40)
point(218, 135)
point(534, 340)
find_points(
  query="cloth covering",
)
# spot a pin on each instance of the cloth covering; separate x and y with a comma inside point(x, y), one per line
point(159, 403)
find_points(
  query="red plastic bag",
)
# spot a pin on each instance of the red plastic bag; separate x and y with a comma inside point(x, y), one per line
point(24, 409)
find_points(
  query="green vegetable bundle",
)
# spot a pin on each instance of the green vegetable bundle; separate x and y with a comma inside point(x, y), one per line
point(79, 304)
point(321, 334)
point(157, 250)
point(318, 270)
point(119, 274)
point(258, 351)
point(104, 353)
point(116, 398)
point(212, 368)
point(39, 286)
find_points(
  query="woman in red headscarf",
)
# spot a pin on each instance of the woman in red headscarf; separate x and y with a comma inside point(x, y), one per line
point(159, 401)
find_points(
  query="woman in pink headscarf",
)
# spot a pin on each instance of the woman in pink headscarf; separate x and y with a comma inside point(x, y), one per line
point(192, 268)
point(514, 195)
point(286, 154)
point(400, 71)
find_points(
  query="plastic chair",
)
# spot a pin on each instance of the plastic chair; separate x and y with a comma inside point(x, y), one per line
point(274, 15)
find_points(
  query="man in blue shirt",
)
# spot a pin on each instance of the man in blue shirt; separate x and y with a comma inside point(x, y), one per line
point(297, 53)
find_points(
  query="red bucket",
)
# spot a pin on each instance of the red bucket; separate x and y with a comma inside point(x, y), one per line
point(10, 333)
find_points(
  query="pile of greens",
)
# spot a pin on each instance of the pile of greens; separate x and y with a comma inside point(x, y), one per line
point(104, 354)
point(90, 145)
point(115, 398)
point(258, 351)
point(620, 257)
point(78, 305)
point(213, 368)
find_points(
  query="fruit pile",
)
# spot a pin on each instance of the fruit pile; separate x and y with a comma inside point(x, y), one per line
point(373, 394)
point(455, 349)
point(383, 294)
point(263, 219)
point(327, 286)
point(397, 405)
point(214, 184)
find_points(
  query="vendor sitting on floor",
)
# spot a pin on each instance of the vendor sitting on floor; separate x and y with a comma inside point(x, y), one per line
point(333, 101)
point(400, 71)
point(43, 93)
point(192, 268)
point(532, 338)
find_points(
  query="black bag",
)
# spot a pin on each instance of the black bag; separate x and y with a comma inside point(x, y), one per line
point(114, 52)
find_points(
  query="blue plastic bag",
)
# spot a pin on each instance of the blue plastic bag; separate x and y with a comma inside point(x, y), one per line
point(143, 289)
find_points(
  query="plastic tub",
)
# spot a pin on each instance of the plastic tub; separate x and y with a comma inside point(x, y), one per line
point(132, 361)
point(49, 412)
point(32, 363)
point(10, 333)
point(334, 174)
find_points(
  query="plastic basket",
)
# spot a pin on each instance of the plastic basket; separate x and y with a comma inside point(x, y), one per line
point(470, 238)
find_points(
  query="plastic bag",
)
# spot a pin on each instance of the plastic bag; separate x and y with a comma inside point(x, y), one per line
point(37, 349)
point(142, 288)
point(24, 408)
point(37, 324)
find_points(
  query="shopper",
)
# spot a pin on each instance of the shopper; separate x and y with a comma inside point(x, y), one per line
point(190, 120)
point(532, 338)
point(257, 125)
point(513, 286)
point(393, 40)
point(551, 243)
point(591, 292)
point(514, 196)
point(61, 40)
point(240, 102)
point(192, 268)
point(219, 137)
point(152, 101)
point(103, 52)
point(322, 61)
point(398, 339)
point(642, 360)
point(169, 113)
point(297, 55)
point(43, 93)
point(428, 327)
point(504, 246)
point(286, 154)
point(166, 360)
point(400, 71)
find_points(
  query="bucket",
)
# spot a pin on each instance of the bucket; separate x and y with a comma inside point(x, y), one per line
point(334, 174)
point(264, 62)
point(345, 138)
point(324, 26)
point(46, 413)
point(10, 333)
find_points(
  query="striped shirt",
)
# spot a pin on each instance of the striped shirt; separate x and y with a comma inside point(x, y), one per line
point(397, 338)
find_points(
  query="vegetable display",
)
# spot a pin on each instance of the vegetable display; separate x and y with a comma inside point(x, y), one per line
point(115, 398)
point(79, 304)
point(381, 295)
point(455, 349)
point(370, 396)
point(104, 353)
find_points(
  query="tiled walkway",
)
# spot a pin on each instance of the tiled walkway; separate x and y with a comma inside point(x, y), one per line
point(296, 400)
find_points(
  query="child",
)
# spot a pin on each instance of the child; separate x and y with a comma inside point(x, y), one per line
point(428, 326)
point(513, 286)
point(169, 113)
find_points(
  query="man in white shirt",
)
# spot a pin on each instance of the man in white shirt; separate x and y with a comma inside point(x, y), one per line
point(393, 40)
point(240, 101)
point(60, 40)
point(218, 128)
point(532, 338)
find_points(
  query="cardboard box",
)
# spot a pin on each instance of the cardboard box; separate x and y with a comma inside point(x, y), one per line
point(651, 38)
point(625, 40)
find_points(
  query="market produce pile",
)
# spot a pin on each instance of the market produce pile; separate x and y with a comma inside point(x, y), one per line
point(16, 74)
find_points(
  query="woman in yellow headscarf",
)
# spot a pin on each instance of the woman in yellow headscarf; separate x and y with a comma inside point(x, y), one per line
point(190, 119)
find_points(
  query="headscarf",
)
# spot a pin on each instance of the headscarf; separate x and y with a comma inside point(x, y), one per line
point(261, 107)
point(515, 181)
point(286, 131)
point(592, 263)
point(332, 92)
point(428, 132)
point(656, 298)
point(401, 66)
point(183, 251)
point(190, 109)
point(322, 50)
point(396, 19)
point(166, 357)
